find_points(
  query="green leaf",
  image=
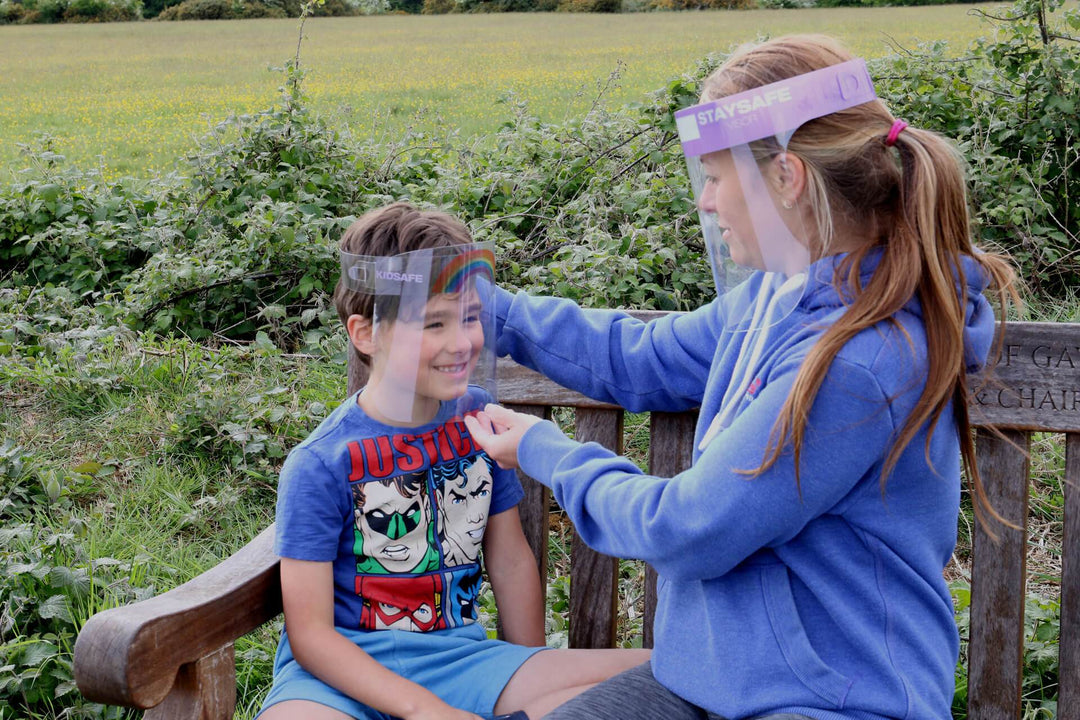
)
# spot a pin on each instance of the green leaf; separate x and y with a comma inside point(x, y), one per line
point(55, 607)
point(263, 341)
point(53, 484)
point(48, 192)
point(307, 284)
point(38, 652)
point(63, 577)
point(274, 312)
point(65, 687)
point(90, 467)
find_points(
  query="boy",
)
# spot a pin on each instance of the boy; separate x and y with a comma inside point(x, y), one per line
point(384, 510)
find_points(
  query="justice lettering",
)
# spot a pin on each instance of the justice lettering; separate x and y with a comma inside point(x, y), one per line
point(374, 458)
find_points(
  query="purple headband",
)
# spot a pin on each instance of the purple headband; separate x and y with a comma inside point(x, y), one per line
point(772, 110)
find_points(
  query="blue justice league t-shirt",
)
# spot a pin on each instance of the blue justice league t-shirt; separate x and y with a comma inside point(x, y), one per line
point(401, 513)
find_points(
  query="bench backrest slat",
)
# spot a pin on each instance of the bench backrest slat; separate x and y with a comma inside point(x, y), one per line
point(594, 577)
point(1036, 383)
point(996, 642)
point(1069, 647)
point(535, 507)
point(671, 449)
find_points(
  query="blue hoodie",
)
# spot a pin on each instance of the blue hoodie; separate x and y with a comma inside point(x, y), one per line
point(824, 598)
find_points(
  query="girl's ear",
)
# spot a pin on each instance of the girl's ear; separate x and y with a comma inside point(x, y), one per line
point(790, 177)
point(359, 329)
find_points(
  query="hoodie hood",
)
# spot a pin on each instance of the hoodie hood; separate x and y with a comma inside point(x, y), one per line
point(980, 324)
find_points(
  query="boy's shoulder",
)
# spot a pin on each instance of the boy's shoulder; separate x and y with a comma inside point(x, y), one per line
point(346, 417)
point(349, 423)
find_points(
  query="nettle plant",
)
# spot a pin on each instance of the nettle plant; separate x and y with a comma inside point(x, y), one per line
point(598, 209)
point(49, 585)
point(65, 226)
point(267, 196)
point(580, 210)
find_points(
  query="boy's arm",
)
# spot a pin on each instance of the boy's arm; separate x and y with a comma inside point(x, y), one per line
point(511, 569)
point(307, 593)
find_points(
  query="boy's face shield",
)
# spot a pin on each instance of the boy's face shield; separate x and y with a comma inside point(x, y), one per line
point(432, 328)
point(753, 213)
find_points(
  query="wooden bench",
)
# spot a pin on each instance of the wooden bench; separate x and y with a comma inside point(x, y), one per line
point(173, 654)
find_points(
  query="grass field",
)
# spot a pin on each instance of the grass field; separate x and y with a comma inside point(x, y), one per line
point(133, 97)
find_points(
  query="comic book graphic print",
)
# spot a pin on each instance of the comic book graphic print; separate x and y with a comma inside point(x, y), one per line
point(463, 492)
point(401, 603)
point(420, 507)
point(394, 526)
point(419, 602)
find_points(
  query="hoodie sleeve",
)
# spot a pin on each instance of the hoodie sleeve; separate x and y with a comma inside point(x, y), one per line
point(705, 521)
point(609, 355)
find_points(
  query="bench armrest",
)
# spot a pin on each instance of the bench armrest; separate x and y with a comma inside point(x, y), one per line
point(131, 655)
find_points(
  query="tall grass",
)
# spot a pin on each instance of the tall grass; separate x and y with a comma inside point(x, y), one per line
point(132, 96)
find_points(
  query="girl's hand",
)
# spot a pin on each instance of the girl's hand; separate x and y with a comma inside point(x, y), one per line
point(499, 431)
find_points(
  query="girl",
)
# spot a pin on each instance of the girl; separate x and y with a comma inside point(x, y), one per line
point(800, 558)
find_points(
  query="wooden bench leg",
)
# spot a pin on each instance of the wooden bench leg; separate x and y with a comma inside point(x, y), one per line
point(204, 690)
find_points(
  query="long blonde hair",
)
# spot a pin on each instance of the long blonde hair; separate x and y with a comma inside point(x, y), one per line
point(914, 196)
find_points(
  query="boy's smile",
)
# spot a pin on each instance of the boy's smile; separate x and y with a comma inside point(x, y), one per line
point(452, 338)
point(452, 369)
point(424, 360)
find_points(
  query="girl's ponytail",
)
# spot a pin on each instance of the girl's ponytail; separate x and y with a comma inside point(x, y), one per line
point(934, 214)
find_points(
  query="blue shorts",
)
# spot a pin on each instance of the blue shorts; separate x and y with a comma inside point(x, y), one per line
point(460, 665)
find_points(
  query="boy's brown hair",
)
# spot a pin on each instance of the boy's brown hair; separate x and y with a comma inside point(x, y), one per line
point(387, 231)
point(392, 230)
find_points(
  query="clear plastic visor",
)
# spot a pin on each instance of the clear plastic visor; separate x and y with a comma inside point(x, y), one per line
point(432, 330)
point(752, 202)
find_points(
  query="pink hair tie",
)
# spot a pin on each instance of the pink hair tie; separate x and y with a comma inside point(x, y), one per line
point(894, 132)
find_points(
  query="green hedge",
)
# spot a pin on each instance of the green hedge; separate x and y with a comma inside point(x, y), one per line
point(240, 238)
point(54, 11)
point(51, 11)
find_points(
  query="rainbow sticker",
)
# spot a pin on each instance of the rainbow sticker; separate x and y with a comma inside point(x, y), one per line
point(463, 267)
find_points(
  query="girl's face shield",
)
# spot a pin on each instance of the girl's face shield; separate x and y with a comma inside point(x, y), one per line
point(753, 215)
point(432, 328)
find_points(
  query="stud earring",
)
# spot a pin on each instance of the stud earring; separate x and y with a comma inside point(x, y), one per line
point(787, 204)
